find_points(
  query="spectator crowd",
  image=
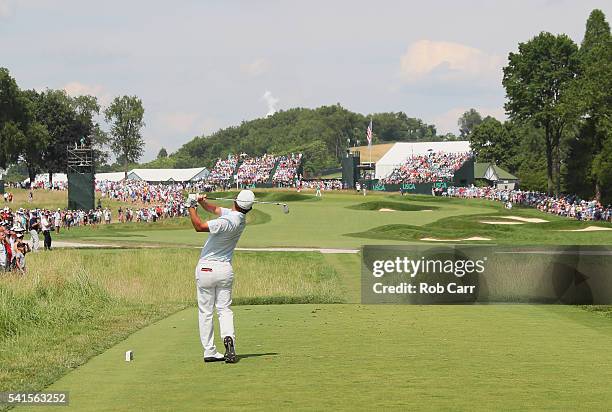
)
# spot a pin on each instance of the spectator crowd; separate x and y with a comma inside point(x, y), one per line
point(286, 171)
point(223, 171)
point(570, 206)
point(431, 167)
point(256, 169)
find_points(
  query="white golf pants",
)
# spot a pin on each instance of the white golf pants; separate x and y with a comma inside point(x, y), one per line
point(214, 287)
point(35, 240)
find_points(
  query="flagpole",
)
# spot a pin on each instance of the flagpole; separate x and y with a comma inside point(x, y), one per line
point(371, 143)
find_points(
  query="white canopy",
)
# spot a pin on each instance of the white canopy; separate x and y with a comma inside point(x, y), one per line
point(44, 177)
point(110, 177)
point(168, 175)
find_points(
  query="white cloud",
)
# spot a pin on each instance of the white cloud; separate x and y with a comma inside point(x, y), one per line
point(447, 122)
point(180, 122)
point(208, 125)
point(80, 89)
point(271, 101)
point(185, 124)
point(256, 67)
point(5, 8)
point(447, 61)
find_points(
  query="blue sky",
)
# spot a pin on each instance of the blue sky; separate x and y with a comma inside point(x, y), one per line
point(202, 65)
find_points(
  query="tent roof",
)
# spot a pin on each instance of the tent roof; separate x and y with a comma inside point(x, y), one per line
point(164, 175)
point(480, 171)
point(111, 176)
point(504, 174)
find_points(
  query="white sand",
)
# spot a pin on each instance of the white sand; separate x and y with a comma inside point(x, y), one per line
point(431, 239)
point(384, 209)
point(525, 219)
point(587, 229)
point(491, 222)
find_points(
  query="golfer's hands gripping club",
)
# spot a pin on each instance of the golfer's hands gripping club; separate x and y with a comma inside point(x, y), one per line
point(202, 199)
point(192, 201)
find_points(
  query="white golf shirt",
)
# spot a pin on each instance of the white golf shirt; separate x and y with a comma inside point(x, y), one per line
point(3, 256)
point(224, 234)
point(45, 224)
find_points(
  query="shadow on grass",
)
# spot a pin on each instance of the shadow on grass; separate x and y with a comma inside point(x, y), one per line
point(269, 196)
point(256, 355)
point(395, 206)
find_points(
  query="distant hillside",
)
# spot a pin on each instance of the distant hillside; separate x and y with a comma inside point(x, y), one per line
point(320, 134)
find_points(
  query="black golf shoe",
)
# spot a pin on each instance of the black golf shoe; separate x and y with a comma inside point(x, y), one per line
point(230, 352)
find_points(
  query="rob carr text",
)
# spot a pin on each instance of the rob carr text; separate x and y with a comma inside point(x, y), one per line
point(423, 288)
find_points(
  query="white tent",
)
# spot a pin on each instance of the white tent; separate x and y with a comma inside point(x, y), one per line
point(168, 175)
point(44, 177)
point(400, 152)
point(110, 177)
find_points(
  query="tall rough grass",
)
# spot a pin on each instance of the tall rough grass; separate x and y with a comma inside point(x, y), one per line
point(74, 304)
point(51, 303)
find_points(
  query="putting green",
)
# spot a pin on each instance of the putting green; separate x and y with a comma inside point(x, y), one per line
point(355, 357)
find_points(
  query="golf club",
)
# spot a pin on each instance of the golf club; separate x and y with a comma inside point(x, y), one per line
point(283, 205)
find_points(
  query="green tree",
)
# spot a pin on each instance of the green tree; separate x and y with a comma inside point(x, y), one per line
point(450, 137)
point(14, 118)
point(36, 138)
point(125, 114)
point(491, 141)
point(162, 153)
point(87, 108)
point(593, 94)
point(468, 121)
point(602, 170)
point(536, 80)
point(66, 126)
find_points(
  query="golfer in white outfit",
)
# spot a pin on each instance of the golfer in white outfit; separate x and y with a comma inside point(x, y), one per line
point(214, 274)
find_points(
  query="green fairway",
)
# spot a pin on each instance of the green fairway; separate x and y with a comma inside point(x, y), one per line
point(341, 220)
point(354, 357)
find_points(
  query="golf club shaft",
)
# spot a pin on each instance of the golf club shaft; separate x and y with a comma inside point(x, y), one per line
point(254, 201)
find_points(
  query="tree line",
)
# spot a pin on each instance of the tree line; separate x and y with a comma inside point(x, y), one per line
point(323, 135)
point(559, 100)
point(37, 127)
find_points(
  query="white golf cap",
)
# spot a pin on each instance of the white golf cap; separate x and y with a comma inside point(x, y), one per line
point(245, 199)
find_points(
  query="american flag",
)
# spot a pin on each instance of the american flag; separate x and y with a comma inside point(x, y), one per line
point(369, 133)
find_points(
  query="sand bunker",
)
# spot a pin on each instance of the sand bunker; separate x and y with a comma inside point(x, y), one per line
point(491, 222)
point(524, 219)
point(385, 209)
point(431, 239)
point(587, 229)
